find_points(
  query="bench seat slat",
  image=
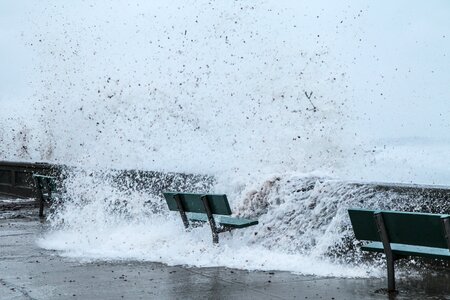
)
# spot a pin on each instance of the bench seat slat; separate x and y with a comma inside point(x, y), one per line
point(223, 220)
point(407, 250)
point(54, 194)
point(44, 176)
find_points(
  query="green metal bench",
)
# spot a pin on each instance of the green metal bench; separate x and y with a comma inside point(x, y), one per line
point(46, 190)
point(401, 235)
point(214, 209)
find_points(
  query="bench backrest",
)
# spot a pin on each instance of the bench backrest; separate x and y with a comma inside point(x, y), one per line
point(45, 182)
point(193, 203)
point(419, 229)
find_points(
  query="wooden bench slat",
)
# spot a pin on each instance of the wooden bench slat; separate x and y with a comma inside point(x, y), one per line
point(192, 203)
point(420, 229)
point(407, 250)
point(54, 194)
point(363, 224)
point(223, 220)
point(43, 176)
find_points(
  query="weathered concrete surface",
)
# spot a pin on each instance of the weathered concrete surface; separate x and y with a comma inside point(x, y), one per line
point(28, 272)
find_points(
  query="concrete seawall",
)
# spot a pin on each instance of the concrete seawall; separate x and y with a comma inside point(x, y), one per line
point(16, 181)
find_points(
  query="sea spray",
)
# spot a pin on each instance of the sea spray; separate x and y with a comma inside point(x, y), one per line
point(303, 221)
point(248, 88)
point(298, 228)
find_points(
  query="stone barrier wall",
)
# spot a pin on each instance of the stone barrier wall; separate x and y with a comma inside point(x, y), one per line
point(16, 180)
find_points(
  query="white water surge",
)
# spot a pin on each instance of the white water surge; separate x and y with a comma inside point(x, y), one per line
point(302, 227)
point(240, 91)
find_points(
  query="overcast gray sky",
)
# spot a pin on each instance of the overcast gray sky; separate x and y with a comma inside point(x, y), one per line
point(16, 58)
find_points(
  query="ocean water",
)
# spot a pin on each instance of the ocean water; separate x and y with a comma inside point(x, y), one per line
point(279, 101)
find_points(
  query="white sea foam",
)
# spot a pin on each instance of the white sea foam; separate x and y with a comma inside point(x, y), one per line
point(302, 226)
point(163, 239)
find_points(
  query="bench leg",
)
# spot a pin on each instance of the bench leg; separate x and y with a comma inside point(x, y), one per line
point(40, 197)
point(390, 257)
point(181, 210)
point(212, 223)
point(391, 274)
point(184, 218)
point(215, 237)
point(41, 207)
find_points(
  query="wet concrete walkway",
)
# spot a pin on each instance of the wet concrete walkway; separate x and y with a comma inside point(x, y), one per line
point(29, 272)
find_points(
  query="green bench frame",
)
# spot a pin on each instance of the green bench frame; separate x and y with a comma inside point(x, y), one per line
point(46, 190)
point(402, 234)
point(210, 208)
